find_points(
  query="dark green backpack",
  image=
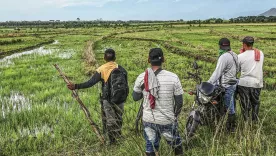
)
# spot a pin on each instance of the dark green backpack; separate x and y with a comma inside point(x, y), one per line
point(118, 86)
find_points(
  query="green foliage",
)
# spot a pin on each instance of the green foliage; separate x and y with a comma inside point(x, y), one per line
point(40, 117)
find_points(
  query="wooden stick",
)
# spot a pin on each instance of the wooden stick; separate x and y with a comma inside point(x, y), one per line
point(85, 110)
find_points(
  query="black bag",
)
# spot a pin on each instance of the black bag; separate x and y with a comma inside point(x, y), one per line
point(118, 86)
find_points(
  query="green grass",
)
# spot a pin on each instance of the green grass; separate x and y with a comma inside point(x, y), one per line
point(46, 120)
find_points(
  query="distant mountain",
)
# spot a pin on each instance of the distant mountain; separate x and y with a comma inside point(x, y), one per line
point(271, 12)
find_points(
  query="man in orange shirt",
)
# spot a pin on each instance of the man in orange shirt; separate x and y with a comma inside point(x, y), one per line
point(113, 109)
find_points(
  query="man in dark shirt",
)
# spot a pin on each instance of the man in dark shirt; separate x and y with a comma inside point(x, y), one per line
point(113, 112)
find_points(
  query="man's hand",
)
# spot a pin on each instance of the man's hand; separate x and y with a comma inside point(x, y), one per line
point(71, 86)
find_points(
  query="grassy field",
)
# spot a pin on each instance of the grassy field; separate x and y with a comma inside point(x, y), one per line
point(40, 117)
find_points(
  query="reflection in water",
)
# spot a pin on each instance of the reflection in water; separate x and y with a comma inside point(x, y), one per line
point(67, 54)
point(7, 61)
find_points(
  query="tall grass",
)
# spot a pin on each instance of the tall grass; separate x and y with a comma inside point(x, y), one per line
point(55, 124)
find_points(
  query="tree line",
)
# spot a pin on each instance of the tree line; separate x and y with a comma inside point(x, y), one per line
point(132, 23)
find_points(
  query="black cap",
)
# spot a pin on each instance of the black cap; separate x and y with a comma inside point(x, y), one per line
point(224, 44)
point(248, 39)
point(156, 56)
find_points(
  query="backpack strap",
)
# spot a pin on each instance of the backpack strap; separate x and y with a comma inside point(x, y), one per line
point(155, 73)
point(236, 64)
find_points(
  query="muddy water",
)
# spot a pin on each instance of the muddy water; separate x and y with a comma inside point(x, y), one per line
point(67, 54)
point(6, 61)
point(38, 130)
point(17, 102)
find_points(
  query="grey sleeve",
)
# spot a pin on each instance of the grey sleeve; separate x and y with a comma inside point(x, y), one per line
point(178, 104)
point(221, 66)
point(137, 89)
point(94, 79)
point(137, 96)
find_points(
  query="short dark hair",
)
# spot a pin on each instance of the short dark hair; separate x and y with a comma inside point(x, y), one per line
point(109, 55)
point(156, 57)
point(249, 41)
point(249, 44)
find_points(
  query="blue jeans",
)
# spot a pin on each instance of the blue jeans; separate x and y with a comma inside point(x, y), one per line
point(229, 99)
point(153, 133)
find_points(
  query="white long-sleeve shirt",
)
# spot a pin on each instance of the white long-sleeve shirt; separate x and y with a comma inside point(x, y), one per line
point(251, 70)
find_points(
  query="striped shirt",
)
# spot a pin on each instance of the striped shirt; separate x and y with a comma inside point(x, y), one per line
point(170, 86)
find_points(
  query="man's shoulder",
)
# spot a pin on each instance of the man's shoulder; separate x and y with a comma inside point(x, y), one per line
point(228, 54)
point(168, 74)
point(235, 54)
point(122, 68)
point(100, 68)
point(142, 75)
point(103, 65)
point(242, 54)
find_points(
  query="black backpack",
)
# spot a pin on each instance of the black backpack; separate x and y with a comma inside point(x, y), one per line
point(118, 86)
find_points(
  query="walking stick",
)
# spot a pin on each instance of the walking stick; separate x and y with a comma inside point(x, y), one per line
point(85, 110)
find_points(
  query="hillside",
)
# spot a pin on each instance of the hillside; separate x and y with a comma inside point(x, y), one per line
point(271, 12)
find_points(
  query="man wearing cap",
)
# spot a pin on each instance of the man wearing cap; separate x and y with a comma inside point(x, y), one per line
point(251, 79)
point(162, 93)
point(112, 114)
point(225, 74)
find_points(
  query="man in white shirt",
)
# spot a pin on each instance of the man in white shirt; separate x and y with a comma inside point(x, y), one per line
point(251, 79)
point(162, 93)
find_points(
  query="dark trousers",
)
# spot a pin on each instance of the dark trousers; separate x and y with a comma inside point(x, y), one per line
point(113, 116)
point(249, 99)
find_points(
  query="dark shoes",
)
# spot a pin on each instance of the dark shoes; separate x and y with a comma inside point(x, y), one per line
point(178, 151)
point(150, 153)
point(231, 123)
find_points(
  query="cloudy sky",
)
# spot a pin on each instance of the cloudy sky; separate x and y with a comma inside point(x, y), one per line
point(129, 9)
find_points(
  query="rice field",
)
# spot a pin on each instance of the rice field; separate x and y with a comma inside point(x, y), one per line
point(38, 115)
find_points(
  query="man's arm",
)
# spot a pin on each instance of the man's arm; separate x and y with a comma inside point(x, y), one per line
point(239, 63)
point(178, 104)
point(94, 79)
point(221, 66)
point(137, 96)
point(178, 97)
point(137, 90)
